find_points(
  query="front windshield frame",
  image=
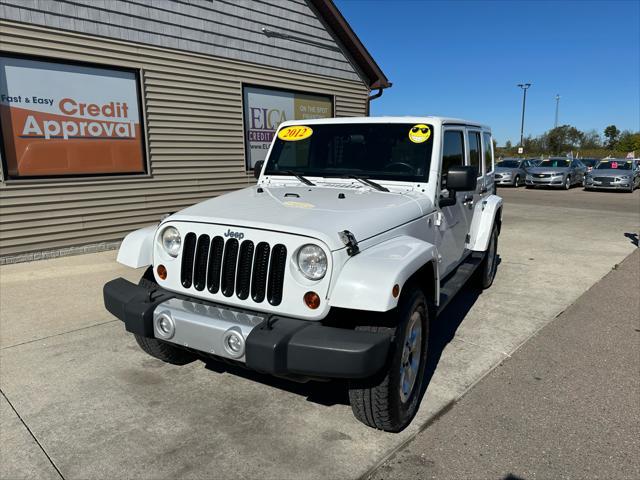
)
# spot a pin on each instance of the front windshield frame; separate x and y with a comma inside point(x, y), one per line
point(553, 163)
point(374, 146)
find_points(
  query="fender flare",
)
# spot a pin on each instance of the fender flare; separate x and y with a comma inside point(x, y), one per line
point(367, 279)
point(486, 213)
point(136, 249)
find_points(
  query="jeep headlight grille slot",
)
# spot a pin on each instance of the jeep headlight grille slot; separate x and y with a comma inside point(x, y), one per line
point(229, 267)
point(215, 264)
point(186, 273)
point(244, 269)
point(276, 274)
point(234, 267)
point(260, 267)
point(200, 265)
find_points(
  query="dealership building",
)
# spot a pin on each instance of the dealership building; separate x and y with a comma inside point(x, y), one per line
point(116, 112)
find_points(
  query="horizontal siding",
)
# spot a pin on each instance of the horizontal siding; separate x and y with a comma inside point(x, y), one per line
point(194, 130)
point(224, 28)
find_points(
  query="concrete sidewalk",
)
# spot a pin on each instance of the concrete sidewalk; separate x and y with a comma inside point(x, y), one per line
point(566, 405)
point(80, 398)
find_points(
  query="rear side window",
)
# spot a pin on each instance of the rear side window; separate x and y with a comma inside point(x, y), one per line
point(474, 151)
point(488, 151)
point(452, 150)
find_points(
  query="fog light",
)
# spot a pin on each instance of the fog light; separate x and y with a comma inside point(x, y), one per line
point(312, 300)
point(233, 343)
point(164, 326)
point(162, 272)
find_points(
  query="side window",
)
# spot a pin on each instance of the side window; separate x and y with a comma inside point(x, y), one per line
point(452, 151)
point(488, 151)
point(474, 151)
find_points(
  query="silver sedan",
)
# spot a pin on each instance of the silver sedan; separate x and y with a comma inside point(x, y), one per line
point(614, 174)
point(512, 171)
point(556, 172)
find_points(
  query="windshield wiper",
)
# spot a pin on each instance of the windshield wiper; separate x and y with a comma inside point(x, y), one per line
point(304, 180)
point(371, 183)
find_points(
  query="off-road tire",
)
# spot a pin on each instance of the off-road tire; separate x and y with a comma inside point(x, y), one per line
point(377, 402)
point(157, 348)
point(486, 271)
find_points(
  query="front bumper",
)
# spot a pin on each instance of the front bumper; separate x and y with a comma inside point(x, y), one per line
point(545, 182)
point(272, 344)
point(615, 185)
point(504, 181)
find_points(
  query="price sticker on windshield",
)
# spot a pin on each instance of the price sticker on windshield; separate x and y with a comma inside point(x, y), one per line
point(294, 133)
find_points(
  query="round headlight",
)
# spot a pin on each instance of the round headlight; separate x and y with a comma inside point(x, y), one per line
point(312, 262)
point(171, 241)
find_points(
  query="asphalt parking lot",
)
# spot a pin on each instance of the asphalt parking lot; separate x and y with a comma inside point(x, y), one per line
point(81, 401)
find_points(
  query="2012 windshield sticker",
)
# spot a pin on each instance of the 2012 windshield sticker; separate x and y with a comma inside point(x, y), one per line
point(294, 133)
point(419, 133)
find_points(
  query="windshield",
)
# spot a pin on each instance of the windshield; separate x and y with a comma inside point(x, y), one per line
point(508, 164)
point(390, 151)
point(561, 163)
point(614, 165)
point(589, 162)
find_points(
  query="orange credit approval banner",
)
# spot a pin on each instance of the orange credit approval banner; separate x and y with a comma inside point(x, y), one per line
point(60, 119)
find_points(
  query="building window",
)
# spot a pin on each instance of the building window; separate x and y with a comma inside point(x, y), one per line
point(266, 108)
point(64, 119)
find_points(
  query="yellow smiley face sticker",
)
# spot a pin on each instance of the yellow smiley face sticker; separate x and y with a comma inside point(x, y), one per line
point(294, 133)
point(419, 133)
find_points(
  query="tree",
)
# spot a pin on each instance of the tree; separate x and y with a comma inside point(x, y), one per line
point(628, 142)
point(508, 145)
point(611, 133)
point(591, 140)
point(563, 138)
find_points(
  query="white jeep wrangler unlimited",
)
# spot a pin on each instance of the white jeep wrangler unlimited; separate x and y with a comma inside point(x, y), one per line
point(358, 232)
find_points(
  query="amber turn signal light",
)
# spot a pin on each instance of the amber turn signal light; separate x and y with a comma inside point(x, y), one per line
point(312, 300)
point(395, 291)
point(162, 272)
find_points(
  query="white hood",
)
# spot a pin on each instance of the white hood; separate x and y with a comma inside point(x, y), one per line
point(316, 211)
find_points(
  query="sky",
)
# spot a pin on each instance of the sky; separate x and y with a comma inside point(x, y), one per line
point(464, 59)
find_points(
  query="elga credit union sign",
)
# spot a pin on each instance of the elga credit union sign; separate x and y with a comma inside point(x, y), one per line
point(265, 109)
point(60, 119)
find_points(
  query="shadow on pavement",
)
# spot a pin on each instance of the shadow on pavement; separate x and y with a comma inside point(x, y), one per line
point(334, 392)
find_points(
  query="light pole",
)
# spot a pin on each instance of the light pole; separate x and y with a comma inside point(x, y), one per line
point(524, 87)
point(555, 125)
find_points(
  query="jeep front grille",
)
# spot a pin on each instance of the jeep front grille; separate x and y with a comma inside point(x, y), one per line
point(232, 267)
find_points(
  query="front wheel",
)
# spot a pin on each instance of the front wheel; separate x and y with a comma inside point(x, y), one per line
point(567, 183)
point(516, 182)
point(390, 400)
point(487, 270)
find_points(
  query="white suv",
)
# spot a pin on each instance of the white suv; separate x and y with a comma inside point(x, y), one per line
point(358, 232)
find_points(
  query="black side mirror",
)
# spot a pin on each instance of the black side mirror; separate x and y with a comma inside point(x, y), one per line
point(258, 168)
point(462, 178)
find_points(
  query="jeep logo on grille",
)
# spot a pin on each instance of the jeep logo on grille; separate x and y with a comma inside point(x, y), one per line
point(231, 234)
